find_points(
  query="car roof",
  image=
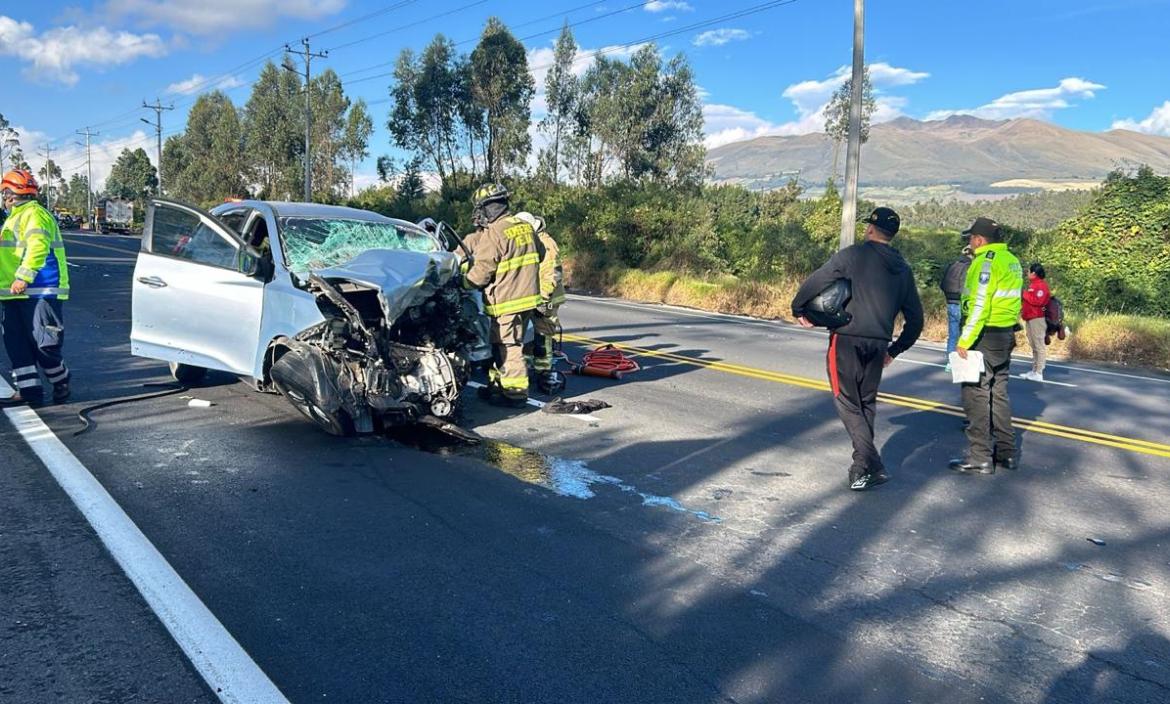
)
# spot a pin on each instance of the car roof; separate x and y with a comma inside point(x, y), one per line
point(293, 209)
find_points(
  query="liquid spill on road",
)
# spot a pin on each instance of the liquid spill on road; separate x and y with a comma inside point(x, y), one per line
point(571, 478)
point(564, 477)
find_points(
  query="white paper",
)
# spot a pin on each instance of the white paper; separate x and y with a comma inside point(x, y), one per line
point(966, 371)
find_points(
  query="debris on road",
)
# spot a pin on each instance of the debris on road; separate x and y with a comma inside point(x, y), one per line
point(87, 424)
point(199, 403)
point(584, 406)
point(1095, 541)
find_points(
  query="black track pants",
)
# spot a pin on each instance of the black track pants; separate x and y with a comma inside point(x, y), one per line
point(987, 405)
point(855, 372)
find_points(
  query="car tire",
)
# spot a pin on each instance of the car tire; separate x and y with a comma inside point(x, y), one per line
point(336, 423)
point(187, 374)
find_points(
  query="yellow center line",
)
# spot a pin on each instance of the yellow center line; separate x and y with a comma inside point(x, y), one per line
point(1032, 424)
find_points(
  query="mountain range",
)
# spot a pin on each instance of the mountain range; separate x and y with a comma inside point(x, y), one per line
point(965, 153)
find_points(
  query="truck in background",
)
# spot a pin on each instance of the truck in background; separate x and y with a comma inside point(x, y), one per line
point(114, 215)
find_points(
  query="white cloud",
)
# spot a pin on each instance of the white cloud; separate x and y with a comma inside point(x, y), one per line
point(719, 37)
point(1158, 122)
point(55, 53)
point(665, 5)
point(724, 124)
point(71, 158)
point(214, 16)
point(1039, 103)
point(198, 82)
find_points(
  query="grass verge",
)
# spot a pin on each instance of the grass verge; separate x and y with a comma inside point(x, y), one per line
point(1116, 339)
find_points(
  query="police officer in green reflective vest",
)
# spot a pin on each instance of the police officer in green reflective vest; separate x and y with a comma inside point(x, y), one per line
point(991, 308)
point(34, 280)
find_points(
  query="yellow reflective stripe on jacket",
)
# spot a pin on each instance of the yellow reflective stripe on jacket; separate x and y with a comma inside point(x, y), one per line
point(518, 305)
point(32, 250)
point(557, 300)
point(517, 263)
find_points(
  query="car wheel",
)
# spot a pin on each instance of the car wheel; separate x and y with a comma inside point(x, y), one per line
point(337, 423)
point(187, 374)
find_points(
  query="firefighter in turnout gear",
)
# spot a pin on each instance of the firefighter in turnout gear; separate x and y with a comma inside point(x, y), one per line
point(34, 280)
point(545, 323)
point(505, 263)
point(991, 307)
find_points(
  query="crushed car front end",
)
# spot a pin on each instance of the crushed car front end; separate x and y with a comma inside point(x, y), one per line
point(396, 341)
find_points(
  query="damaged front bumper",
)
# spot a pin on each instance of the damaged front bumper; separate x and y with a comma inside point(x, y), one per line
point(396, 345)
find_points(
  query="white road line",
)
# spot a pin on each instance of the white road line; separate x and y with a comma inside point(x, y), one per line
point(919, 362)
point(541, 404)
point(228, 670)
point(1016, 376)
point(1046, 381)
point(788, 327)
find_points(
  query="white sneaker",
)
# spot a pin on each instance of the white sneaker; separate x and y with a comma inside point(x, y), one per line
point(1037, 376)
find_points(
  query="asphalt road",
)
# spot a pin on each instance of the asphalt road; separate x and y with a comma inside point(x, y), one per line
point(695, 543)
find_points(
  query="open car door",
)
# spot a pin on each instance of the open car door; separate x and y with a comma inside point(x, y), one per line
point(197, 298)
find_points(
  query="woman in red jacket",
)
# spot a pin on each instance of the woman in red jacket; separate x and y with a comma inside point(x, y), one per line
point(1036, 295)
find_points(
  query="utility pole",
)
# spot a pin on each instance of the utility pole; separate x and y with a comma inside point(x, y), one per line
point(158, 108)
point(308, 56)
point(89, 176)
point(48, 154)
point(853, 155)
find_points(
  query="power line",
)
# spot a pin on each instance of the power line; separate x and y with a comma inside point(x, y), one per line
point(406, 26)
point(754, 9)
point(158, 108)
point(220, 78)
point(530, 22)
point(89, 175)
point(363, 18)
point(48, 154)
point(308, 56)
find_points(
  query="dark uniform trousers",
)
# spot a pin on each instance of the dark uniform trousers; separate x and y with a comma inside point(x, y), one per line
point(855, 372)
point(34, 333)
point(988, 408)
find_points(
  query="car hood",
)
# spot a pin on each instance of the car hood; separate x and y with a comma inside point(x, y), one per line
point(402, 278)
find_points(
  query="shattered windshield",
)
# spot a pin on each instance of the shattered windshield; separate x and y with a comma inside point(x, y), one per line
point(318, 243)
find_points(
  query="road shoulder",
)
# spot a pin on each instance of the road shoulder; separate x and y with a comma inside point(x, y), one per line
point(61, 593)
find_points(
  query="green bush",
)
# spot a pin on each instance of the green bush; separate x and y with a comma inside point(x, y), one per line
point(1115, 255)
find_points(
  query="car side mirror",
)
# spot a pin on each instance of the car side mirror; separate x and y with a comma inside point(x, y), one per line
point(254, 265)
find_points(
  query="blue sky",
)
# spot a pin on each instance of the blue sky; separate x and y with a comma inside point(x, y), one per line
point(1089, 64)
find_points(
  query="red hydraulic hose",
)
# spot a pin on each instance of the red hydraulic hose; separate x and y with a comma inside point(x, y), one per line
point(607, 362)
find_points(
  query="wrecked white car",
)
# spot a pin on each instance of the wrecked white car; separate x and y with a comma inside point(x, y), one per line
point(359, 320)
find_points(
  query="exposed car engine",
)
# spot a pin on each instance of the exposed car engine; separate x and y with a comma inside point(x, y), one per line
point(358, 369)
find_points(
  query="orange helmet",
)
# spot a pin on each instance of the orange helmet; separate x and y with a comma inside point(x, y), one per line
point(20, 182)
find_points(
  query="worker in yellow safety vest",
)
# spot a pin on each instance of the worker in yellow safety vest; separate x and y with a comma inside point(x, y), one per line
point(34, 280)
point(505, 263)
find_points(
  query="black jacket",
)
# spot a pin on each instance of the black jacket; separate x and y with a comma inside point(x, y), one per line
point(954, 278)
point(883, 286)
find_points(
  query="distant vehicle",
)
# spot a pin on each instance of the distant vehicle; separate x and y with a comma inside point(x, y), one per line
point(357, 319)
point(67, 220)
point(114, 215)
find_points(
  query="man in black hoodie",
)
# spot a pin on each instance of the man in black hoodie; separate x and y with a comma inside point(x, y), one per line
point(882, 287)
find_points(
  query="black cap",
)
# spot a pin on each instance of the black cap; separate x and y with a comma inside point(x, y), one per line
point(884, 219)
point(984, 227)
